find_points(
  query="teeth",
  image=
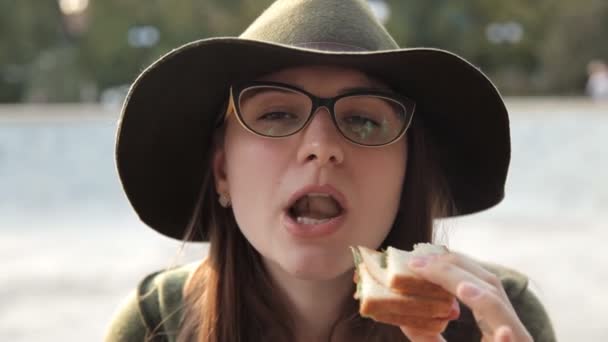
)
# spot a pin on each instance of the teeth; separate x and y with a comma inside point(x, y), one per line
point(318, 194)
point(308, 220)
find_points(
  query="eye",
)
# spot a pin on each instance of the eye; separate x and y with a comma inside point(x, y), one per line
point(361, 121)
point(276, 116)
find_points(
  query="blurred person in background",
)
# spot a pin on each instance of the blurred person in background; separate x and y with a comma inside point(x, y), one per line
point(597, 83)
point(312, 132)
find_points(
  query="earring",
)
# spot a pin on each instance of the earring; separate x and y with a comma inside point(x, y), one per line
point(224, 200)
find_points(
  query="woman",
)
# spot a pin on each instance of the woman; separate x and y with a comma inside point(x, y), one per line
point(310, 133)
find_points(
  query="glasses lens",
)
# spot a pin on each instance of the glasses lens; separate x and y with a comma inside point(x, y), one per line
point(371, 120)
point(273, 111)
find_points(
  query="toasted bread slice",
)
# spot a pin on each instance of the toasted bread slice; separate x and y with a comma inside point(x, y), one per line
point(375, 298)
point(383, 305)
point(391, 270)
point(375, 263)
point(402, 280)
point(389, 292)
point(422, 326)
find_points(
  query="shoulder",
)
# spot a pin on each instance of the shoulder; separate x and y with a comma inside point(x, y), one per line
point(155, 305)
point(526, 304)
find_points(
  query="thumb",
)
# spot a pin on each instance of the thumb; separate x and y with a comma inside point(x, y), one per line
point(420, 336)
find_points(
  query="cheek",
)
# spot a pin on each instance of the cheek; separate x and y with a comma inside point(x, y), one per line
point(254, 171)
point(381, 182)
point(252, 162)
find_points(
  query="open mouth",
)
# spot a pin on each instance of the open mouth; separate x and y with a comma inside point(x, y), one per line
point(315, 208)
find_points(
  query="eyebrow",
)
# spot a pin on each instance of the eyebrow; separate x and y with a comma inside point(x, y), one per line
point(363, 88)
point(347, 89)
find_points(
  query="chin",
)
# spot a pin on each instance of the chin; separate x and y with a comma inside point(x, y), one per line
point(310, 265)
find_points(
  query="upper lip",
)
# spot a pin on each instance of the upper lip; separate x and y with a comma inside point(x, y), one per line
point(315, 189)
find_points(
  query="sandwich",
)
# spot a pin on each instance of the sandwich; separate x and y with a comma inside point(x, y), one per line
point(389, 292)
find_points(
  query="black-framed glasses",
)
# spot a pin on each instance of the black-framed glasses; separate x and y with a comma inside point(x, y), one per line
point(364, 117)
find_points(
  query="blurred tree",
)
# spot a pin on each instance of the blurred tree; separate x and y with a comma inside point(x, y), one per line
point(577, 34)
point(47, 56)
point(106, 55)
point(462, 27)
point(26, 29)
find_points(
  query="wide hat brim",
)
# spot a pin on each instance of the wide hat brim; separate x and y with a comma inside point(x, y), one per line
point(164, 133)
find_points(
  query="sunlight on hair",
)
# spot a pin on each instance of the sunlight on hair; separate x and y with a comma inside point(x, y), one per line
point(441, 228)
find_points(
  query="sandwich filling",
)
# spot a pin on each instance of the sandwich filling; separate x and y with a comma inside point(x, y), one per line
point(315, 208)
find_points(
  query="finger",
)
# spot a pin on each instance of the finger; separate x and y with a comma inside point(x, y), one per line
point(444, 273)
point(485, 300)
point(471, 265)
point(503, 334)
point(455, 311)
point(458, 261)
point(419, 336)
point(512, 333)
point(491, 312)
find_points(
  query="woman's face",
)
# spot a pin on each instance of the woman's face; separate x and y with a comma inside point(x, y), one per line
point(263, 176)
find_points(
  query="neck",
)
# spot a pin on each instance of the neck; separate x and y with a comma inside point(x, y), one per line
point(315, 305)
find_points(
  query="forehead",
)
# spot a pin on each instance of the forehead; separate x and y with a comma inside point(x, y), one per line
point(323, 78)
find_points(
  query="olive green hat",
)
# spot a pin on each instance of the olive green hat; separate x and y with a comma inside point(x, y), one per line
point(164, 133)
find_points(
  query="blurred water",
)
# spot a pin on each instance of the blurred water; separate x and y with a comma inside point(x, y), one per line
point(58, 168)
point(64, 169)
point(559, 165)
point(70, 242)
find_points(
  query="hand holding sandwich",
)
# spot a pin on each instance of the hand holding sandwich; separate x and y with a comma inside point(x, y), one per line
point(417, 291)
point(477, 288)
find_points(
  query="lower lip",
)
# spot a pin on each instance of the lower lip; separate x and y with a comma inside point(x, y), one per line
point(312, 230)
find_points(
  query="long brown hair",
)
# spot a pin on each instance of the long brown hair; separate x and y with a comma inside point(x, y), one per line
point(230, 297)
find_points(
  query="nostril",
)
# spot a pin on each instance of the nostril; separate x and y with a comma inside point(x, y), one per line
point(320, 148)
point(331, 158)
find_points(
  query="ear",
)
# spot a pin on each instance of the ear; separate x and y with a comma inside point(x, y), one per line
point(219, 170)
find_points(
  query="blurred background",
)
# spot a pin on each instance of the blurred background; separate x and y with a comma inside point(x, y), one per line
point(72, 248)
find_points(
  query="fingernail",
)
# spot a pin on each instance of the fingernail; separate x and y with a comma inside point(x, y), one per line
point(469, 291)
point(419, 261)
point(504, 334)
point(455, 311)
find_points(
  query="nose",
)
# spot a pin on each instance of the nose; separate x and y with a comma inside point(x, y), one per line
point(321, 142)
